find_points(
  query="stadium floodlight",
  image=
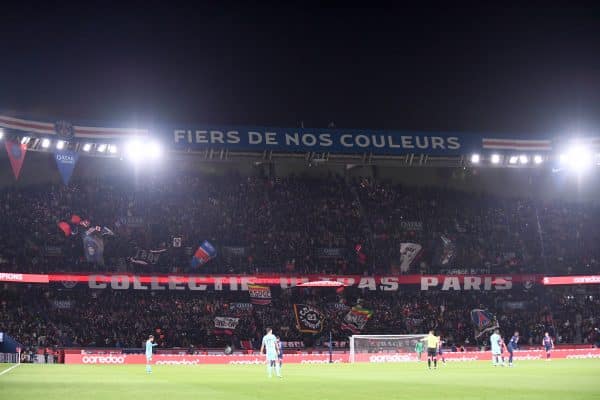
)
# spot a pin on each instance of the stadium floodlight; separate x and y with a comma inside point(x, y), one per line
point(537, 159)
point(87, 147)
point(60, 144)
point(523, 159)
point(154, 150)
point(134, 150)
point(101, 148)
point(45, 143)
point(495, 158)
point(578, 159)
point(513, 159)
point(475, 158)
point(1, 133)
point(112, 149)
point(25, 139)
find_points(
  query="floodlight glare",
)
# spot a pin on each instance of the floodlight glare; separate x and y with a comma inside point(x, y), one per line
point(87, 147)
point(579, 159)
point(495, 158)
point(513, 159)
point(101, 148)
point(153, 150)
point(134, 150)
point(523, 159)
point(112, 149)
point(60, 144)
point(537, 159)
point(45, 143)
point(475, 158)
point(1, 133)
point(25, 140)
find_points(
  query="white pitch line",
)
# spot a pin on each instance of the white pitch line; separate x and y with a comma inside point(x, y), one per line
point(8, 369)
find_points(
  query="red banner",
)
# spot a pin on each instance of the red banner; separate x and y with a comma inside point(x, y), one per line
point(163, 359)
point(571, 280)
point(119, 281)
point(16, 154)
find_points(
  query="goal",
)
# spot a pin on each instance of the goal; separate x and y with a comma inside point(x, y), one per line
point(370, 344)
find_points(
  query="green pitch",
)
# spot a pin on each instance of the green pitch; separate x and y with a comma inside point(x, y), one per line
point(559, 379)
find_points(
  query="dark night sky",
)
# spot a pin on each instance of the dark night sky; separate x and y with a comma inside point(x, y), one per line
point(521, 70)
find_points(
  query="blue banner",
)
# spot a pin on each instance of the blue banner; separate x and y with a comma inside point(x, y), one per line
point(65, 161)
point(326, 140)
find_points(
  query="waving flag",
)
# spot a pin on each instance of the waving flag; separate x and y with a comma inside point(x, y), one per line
point(93, 248)
point(259, 294)
point(356, 319)
point(309, 319)
point(65, 161)
point(203, 254)
point(484, 321)
point(16, 154)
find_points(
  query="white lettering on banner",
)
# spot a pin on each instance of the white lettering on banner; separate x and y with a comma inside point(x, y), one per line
point(193, 284)
point(241, 282)
point(367, 282)
point(93, 282)
point(103, 360)
point(428, 281)
point(254, 137)
point(469, 283)
point(4, 276)
point(138, 285)
point(389, 283)
point(472, 283)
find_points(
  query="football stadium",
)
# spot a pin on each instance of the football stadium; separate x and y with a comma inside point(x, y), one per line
point(264, 252)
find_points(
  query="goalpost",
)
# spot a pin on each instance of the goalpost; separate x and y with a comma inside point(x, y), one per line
point(383, 344)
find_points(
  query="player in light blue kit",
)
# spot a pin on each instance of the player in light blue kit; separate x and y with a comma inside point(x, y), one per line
point(496, 346)
point(269, 345)
point(149, 345)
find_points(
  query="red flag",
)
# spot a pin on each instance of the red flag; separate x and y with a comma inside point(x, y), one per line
point(16, 154)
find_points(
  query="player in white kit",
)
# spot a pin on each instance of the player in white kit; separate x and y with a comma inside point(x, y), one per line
point(269, 345)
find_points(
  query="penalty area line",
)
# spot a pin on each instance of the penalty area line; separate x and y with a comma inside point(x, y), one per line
point(9, 369)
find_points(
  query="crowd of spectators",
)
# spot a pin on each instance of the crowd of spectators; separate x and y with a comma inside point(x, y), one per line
point(296, 224)
point(46, 316)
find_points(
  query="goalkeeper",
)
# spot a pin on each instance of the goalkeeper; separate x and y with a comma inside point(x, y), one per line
point(419, 349)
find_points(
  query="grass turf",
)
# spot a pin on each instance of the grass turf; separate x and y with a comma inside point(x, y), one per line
point(559, 379)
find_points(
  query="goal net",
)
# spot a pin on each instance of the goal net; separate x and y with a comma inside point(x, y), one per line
point(361, 345)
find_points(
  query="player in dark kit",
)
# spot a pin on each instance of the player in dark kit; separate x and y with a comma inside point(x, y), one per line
point(513, 345)
point(440, 350)
point(548, 344)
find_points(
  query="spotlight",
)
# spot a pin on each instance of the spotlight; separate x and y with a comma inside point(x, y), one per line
point(101, 148)
point(475, 158)
point(563, 158)
point(45, 143)
point(513, 159)
point(133, 150)
point(60, 144)
point(154, 150)
point(87, 147)
point(579, 159)
point(112, 149)
point(25, 139)
point(523, 159)
point(537, 159)
point(495, 158)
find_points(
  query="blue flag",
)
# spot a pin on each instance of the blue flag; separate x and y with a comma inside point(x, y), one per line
point(203, 254)
point(484, 321)
point(65, 161)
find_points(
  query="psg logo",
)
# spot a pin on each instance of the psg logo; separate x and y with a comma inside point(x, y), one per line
point(64, 129)
point(69, 284)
